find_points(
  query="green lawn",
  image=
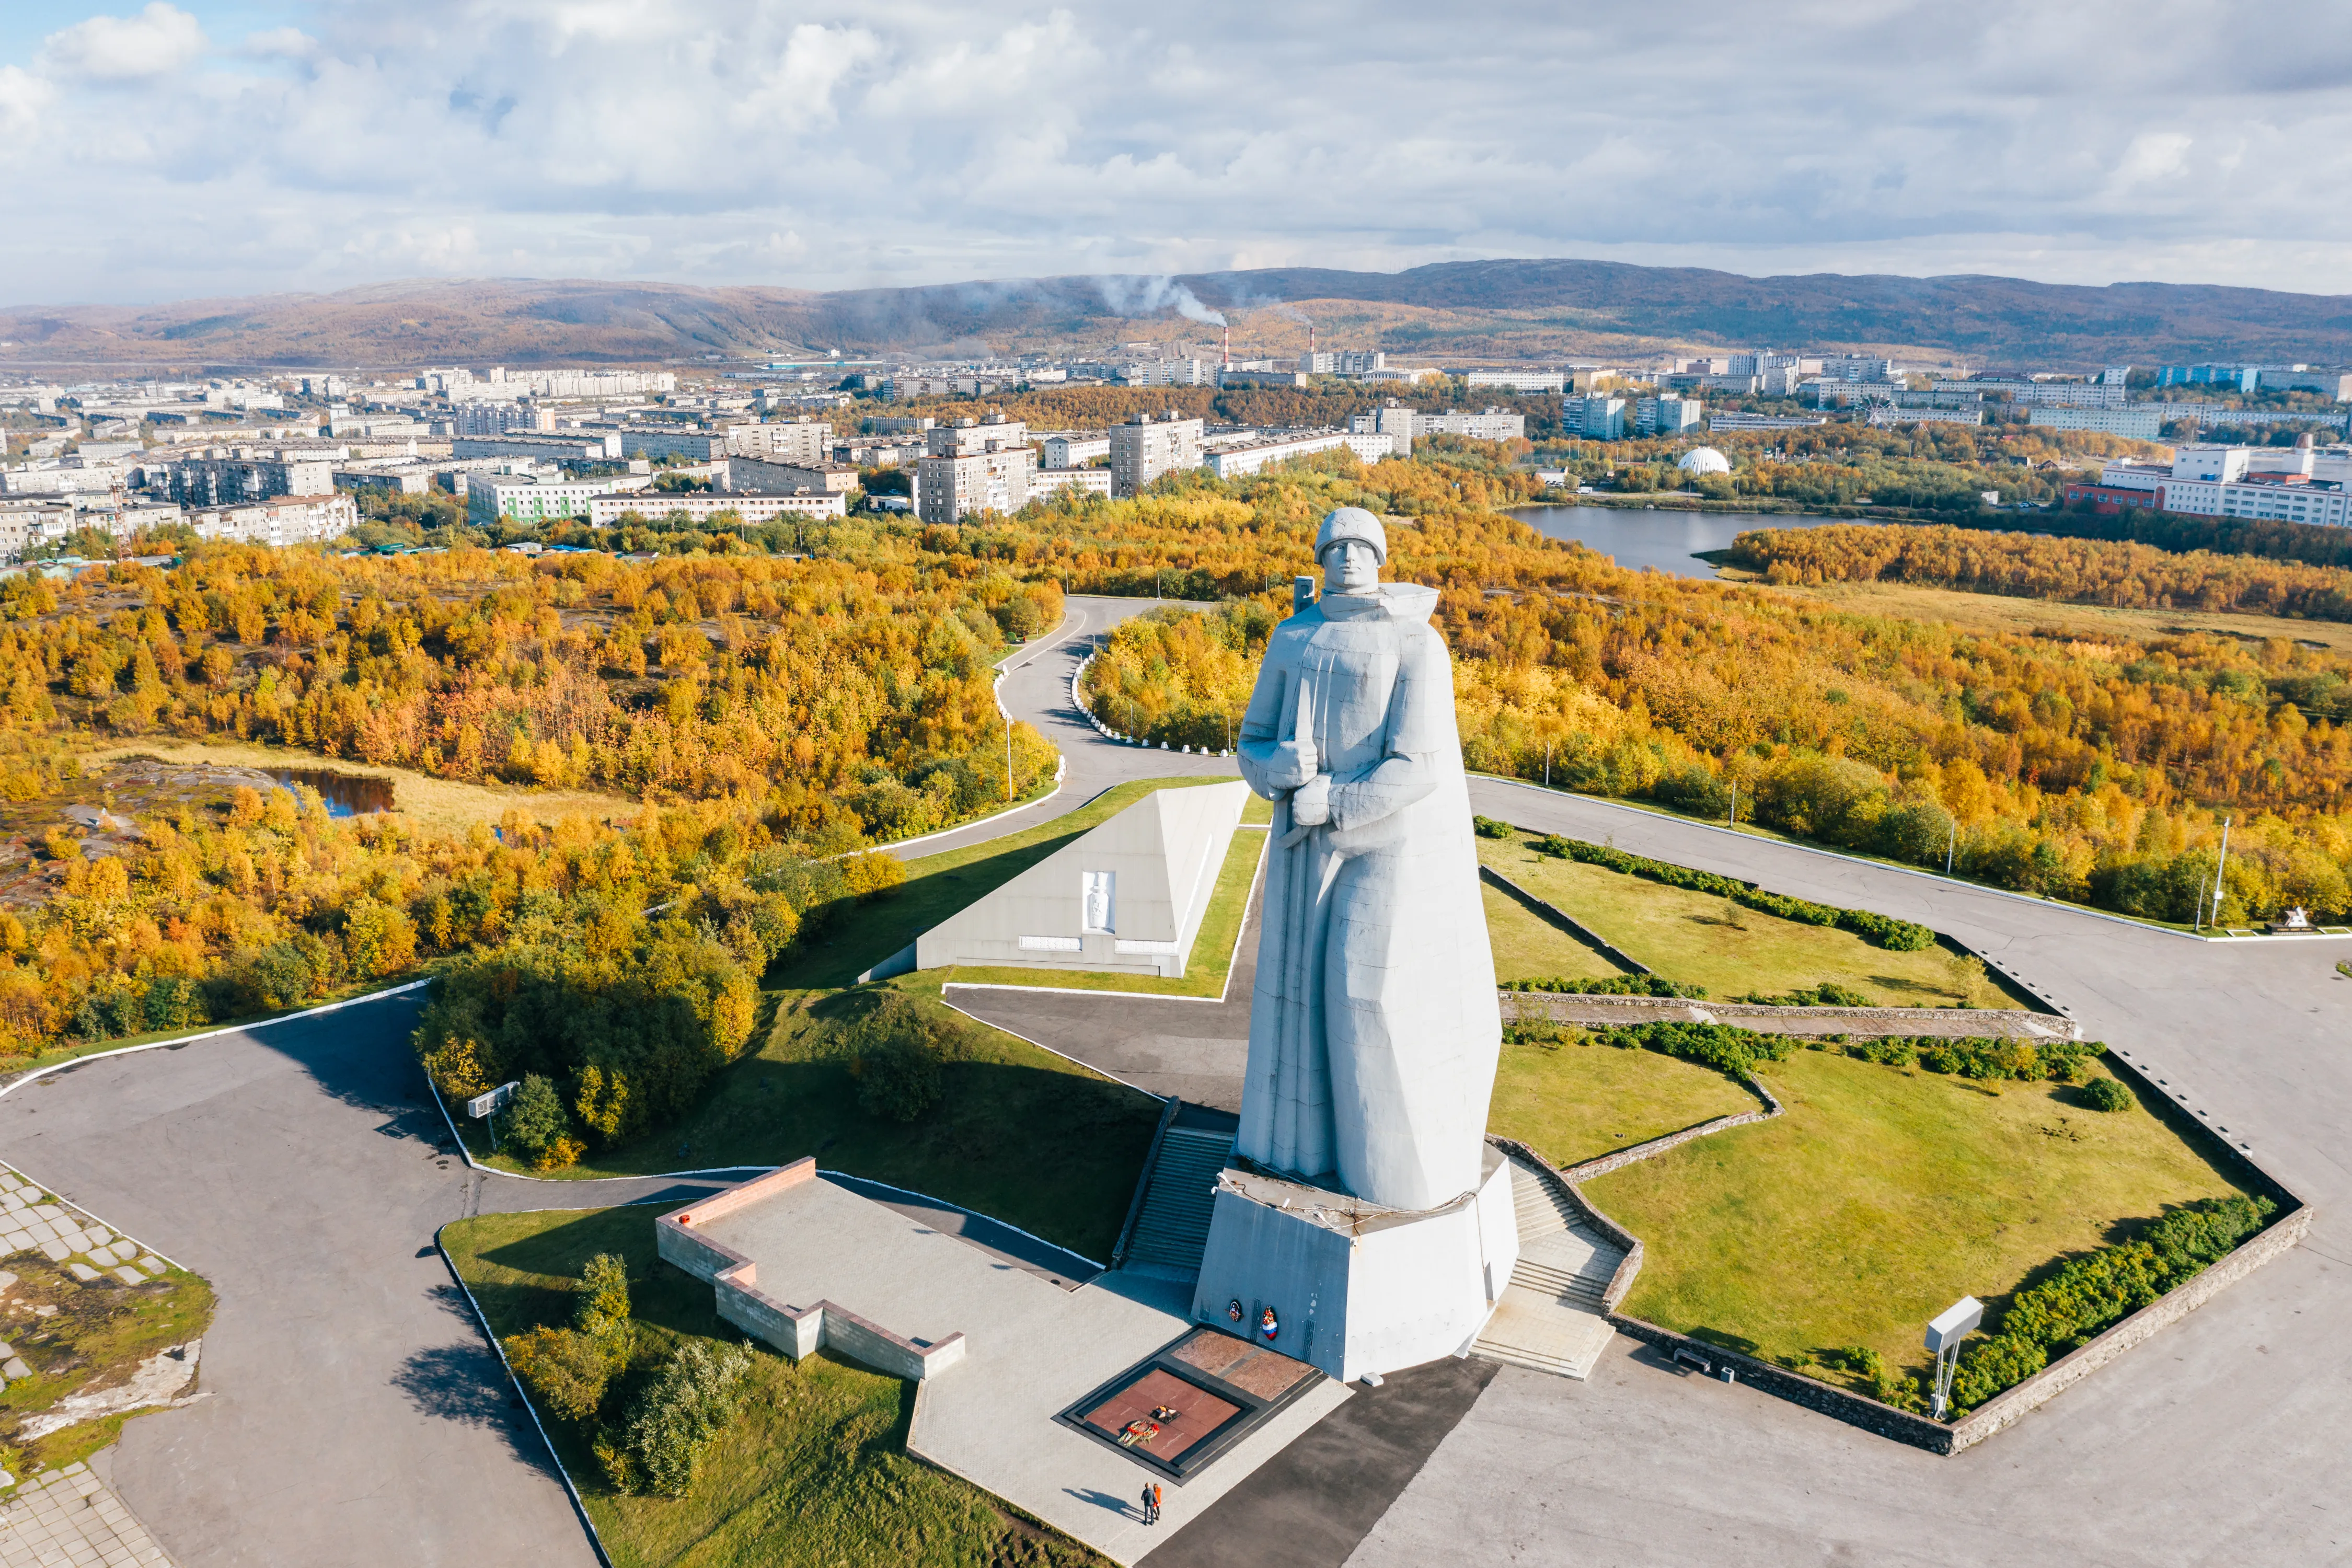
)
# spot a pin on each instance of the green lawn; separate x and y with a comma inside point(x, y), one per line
point(1735, 952)
point(1212, 949)
point(1529, 947)
point(813, 1474)
point(937, 886)
point(1572, 1100)
point(1882, 1197)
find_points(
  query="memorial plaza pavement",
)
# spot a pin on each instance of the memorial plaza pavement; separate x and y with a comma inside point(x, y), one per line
point(354, 1413)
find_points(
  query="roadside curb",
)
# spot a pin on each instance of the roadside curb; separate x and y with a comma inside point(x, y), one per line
point(482, 1321)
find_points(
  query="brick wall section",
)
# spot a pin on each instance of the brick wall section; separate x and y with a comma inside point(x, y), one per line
point(1944, 1023)
point(795, 1330)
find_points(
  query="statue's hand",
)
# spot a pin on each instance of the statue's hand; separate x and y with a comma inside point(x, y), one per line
point(1293, 763)
point(1310, 803)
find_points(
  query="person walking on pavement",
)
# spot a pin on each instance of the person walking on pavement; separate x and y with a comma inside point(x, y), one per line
point(1151, 1498)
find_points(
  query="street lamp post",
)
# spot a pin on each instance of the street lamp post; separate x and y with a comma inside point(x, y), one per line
point(2219, 863)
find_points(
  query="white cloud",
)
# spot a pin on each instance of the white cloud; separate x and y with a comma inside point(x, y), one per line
point(23, 96)
point(829, 143)
point(159, 39)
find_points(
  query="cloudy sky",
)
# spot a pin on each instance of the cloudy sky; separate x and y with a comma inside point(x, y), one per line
point(203, 148)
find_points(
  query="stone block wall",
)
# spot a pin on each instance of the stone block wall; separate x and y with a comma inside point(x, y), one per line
point(1943, 1023)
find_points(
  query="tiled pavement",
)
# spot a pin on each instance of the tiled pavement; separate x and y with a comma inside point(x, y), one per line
point(68, 1518)
point(32, 1220)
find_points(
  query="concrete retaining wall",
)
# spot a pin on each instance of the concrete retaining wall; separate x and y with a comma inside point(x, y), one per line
point(2001, 1410)
point(1943, 1023)
point(795, 1330)
point(1602, 1164)
point(2004, 1409)
point(1567, 923)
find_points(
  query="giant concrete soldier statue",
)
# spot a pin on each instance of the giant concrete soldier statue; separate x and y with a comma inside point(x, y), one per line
point(1374, 1030)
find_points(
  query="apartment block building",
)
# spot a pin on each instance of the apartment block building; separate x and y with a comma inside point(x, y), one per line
point(756, 476)
point(1145, 450)
point(230, 481)
point(288, 520)
point(973, 465)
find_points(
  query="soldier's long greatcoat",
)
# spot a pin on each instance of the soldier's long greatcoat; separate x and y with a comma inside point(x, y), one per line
point(1374, 1030)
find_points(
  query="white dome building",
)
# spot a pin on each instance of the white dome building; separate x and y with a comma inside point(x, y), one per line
point(1704, 460)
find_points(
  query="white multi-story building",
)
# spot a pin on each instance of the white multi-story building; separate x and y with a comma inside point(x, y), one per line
point(226, 482)
point(2046, 394)
point(2288, 484)
point(2142, 422)
point(1231, 462)
point(1667, 416)
point(291, 519)
point(1145, 450)
point(525, 500)
point(754, 475)
point(1519, 380)
point(1594, 417)
point(1079, 481)
point(1391, 421)
point(1489, 424)
point(573, 447)
point(973, 465)
point(801, 442)
point(608, 510)
point(1076, 450)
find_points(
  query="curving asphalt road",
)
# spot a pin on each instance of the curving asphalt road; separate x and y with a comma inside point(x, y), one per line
point(354, 1415)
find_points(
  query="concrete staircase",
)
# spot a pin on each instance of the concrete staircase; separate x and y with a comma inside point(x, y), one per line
point(1171, 1230)
point(1549, 1318)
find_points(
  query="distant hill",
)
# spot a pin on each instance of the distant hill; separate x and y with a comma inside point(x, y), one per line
point(1479, 310)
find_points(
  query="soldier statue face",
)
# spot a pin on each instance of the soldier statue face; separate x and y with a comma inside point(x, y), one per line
point(1351, 566)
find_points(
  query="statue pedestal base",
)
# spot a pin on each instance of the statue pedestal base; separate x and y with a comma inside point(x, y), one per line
point(1357, 1289)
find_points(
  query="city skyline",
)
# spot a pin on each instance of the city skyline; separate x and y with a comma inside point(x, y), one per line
point(177, 152)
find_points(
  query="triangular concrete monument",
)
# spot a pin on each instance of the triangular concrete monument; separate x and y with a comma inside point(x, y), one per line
point(1125, 897)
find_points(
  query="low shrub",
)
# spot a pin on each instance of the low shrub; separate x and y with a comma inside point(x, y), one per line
point(1487, 828)
point(1828, 994)
point(1612, 985)
point(1895, 936)
point(898, 1053)
point(688, 1402)
point(2057, 1061)
point(1723, 1047)
point(2106, 1094)
point(565, 1370)
point(2091, 1294)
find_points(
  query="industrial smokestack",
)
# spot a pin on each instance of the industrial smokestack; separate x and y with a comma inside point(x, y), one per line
point(1225, 347)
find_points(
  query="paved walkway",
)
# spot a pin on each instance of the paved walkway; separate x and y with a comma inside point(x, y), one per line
point(69, 1518)
point(1033, 1348)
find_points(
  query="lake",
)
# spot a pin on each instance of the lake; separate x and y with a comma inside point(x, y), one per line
point(1669, 540)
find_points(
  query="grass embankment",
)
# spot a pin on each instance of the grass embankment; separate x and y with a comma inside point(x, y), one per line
point(1019, 1133)
point(1884, 1195)
point(1212, 960)
point(438, 802)
point(1572, 1100)
point(813, 1472)
point(1709, 941)
point(1529, 947)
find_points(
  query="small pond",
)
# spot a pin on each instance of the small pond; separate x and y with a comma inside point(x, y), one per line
point(345, 795)
point(1670, 540)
